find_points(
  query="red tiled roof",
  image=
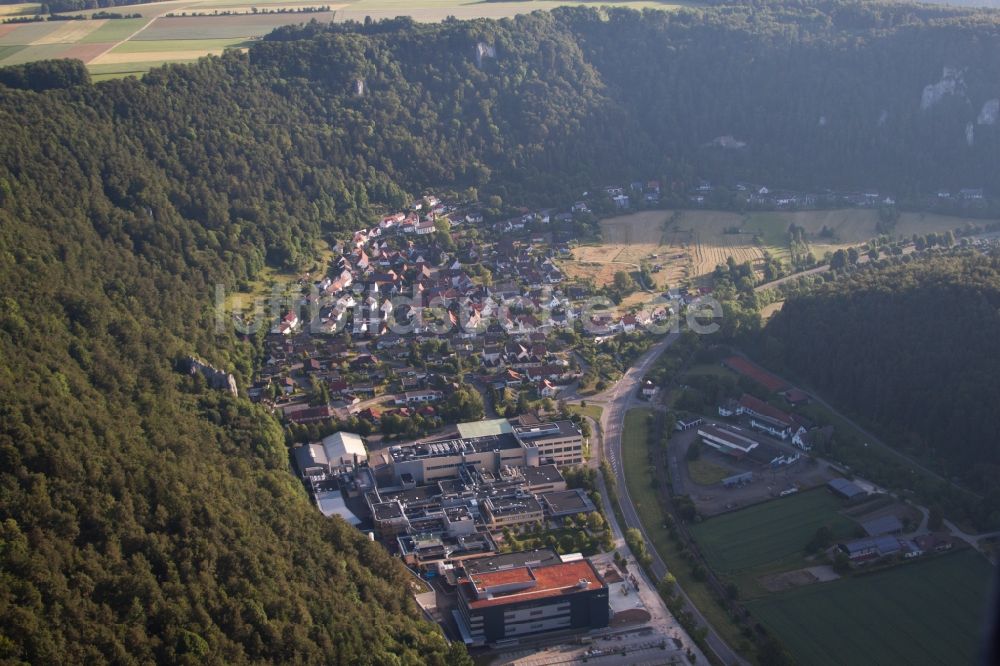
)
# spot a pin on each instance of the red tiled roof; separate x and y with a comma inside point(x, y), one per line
point(762, 377)
point(758, 406)
point(549, 581)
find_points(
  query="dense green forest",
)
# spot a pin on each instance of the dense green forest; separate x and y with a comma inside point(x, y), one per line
point(144, 517)
point(911, 350)
point(831, 94)
point(147, 518)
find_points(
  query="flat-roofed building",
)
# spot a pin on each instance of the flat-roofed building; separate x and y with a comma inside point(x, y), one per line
point(506, 511)
point(389, 519)
point(429, 461)
point(527, 600)
point(426, 551)
point(539, 444)
point(519, 558)
point(558, 443)
point(543, 479)
point(567, 503)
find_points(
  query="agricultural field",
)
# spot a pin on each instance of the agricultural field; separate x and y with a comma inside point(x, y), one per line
point(194, 29)
point(685, 244)
point(122, 47)
point(689, 244)
point(770, 534)
point(928, 612)
point(19, 9)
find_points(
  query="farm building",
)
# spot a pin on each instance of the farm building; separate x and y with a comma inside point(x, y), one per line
point(882, 525)
point(740, 446)
point(870, 549)
point(844, 488)
point(765, 417)
point(727, 441)
point(687, 424)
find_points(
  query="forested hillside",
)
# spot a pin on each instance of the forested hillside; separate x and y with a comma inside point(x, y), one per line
point(911, 350)
point(143, 516)
point(903, 98)
point(148, 518)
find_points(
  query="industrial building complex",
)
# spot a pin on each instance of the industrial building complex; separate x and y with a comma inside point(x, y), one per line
point(444, 506)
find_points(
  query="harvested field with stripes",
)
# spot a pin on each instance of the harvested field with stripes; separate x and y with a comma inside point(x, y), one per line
point(687, 245)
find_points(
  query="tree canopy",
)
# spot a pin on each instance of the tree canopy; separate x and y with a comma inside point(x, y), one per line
point(144, 517)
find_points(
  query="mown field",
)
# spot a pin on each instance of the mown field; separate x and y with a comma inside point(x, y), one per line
point(20, 9)
point(769, 534)
point(690, 245)
point(929, 612)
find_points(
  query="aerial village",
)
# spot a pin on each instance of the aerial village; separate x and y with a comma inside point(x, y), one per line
point(425, 385)
point(423, 375)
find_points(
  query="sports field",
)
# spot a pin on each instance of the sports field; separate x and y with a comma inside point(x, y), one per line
point(929, 612)
point(771, 534)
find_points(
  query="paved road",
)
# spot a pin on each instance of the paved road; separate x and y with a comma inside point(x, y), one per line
point(863, 259)
point(793, 276)
point(616, 402)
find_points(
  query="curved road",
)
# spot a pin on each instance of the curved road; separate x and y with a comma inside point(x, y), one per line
point(616, 402)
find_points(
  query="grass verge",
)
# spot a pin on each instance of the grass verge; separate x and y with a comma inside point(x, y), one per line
point(644, 491)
